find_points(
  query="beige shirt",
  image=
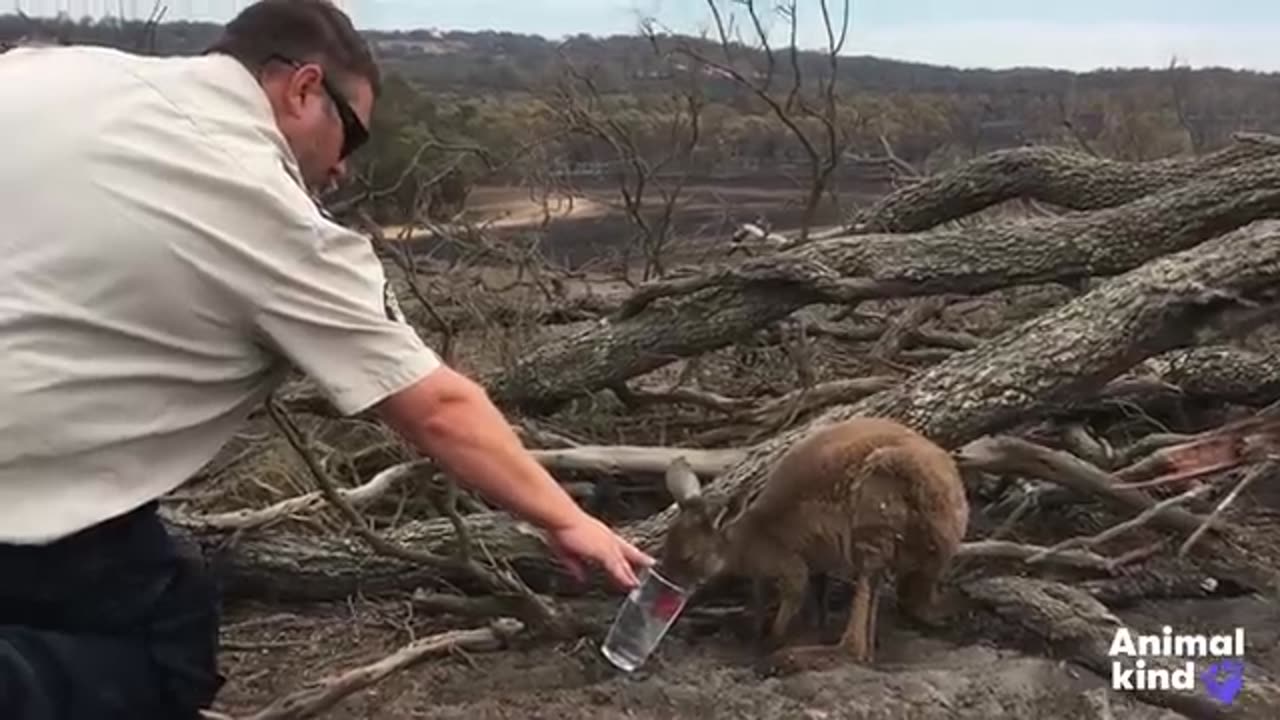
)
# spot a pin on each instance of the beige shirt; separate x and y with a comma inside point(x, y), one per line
point(161, 264)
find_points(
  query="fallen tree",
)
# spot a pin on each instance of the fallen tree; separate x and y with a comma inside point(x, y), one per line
point(710, 310)
point(1044, 363)
point(1058, 176)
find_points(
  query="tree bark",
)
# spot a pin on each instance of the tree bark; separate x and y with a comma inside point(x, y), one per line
point(504, 312)
point(1068, 352)
point(1054, 175)
point(714, 310)
point(1221, 373)
point(280, 566)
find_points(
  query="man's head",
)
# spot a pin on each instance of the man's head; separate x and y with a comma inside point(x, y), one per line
point(318, 74)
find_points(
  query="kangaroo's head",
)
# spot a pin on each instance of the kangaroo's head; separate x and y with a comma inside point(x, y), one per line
point(700, 538)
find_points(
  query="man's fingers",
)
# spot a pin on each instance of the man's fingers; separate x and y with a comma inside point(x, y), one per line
point(636, 555)
point(622, 573)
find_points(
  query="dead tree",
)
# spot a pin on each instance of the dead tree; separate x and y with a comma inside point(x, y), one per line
point(790, 104)
point(643, 166)
point(670, 319)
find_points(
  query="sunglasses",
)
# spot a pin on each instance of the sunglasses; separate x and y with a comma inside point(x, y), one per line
point(354, 133)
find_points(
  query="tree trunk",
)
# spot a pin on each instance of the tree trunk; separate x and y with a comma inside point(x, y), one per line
point(717, 309)
point(1069, 352)
point(1058, 176)
point(277, 566)
point(1221, 373)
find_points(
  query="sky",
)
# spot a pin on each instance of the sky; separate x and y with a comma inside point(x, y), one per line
point(1075, 35)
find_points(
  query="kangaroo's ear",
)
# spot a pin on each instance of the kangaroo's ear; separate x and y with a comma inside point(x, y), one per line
point(683, 483)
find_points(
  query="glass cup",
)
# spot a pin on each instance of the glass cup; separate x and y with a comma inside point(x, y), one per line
point(642, 620)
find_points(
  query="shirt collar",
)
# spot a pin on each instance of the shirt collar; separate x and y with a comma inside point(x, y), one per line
point(236, 79)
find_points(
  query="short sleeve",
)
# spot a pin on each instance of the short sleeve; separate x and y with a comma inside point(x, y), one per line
point(335, 317)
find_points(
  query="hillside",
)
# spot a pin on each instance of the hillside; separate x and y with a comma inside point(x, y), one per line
point(513, 97)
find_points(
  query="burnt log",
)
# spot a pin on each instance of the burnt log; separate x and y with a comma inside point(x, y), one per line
point(671, 319)
point(1221, 373)
point(1058, 176)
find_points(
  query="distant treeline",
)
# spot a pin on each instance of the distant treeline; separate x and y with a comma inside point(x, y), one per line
point(449, 91)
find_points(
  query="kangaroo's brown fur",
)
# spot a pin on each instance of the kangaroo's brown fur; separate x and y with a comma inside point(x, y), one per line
point(854, 499)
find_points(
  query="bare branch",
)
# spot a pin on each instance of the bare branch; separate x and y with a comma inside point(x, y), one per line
point(251, 519)
point(1143, 519)
point(997, 454)
point(999, 549)
point(324, 694)
point(620, 460)
point(1266, 469)
point(537, 609)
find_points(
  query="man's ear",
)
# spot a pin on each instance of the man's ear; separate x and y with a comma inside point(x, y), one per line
point(301, 86)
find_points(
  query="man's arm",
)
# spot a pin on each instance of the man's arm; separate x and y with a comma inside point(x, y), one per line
point(450, 418)
point(316, 293)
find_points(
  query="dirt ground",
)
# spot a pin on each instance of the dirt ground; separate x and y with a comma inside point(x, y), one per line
point(702, 670)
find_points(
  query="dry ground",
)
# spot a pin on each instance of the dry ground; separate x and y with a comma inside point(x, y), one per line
point(696, 673)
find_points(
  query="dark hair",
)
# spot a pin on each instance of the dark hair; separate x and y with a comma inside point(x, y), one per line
point(307, 30)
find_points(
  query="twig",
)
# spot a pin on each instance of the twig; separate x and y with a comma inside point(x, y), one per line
point(535, 608)
point(1014, 455)
point(326, 693)
point(1142, 519)
point(250, 519)
point(448, 506)
point(637, 459)
point(1141, 553)
point(917, 311)
point(1077, 438)
point(748, 411)
point(1266, 468)
point(1149, 444)
point(1017, 551)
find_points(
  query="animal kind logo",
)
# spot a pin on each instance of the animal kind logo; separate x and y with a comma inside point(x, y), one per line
point(1214, 663)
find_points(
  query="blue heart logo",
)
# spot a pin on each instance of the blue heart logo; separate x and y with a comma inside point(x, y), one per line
point(1223, 680)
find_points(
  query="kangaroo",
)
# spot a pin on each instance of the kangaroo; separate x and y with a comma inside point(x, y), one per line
point(856, 499)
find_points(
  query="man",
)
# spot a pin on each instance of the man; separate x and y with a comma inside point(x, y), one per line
point(164, 262)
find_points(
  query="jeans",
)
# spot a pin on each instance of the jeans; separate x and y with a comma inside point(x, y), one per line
point(110, 623)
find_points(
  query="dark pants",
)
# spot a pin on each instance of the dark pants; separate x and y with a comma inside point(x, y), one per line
point(111, 623)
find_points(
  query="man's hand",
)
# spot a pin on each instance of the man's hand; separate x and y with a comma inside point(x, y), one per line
point(450, 418)
point(591, 540)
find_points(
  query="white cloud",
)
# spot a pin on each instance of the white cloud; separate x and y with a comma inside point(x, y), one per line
point(1073, 47)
